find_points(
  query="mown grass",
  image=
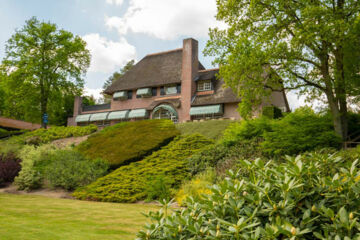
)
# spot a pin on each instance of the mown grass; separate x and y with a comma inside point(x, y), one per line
point(212, 128)
point(36, 217)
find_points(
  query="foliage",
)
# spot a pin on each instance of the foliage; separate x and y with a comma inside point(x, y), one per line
point(293, 44)
point(45, 64)
point(298, 132)
point(68, 169)
point(34, 161)
point(9, 167)
point(212, 129)
point(223, 157)
point(42, 135)
point(196, 187)
point(128, 183)
point(245, 130)
point(159, 187)
point(128, 141)
point(272, 112)
point(314, 196)
point(353, 124)
point(34, 217)
point(5, 134)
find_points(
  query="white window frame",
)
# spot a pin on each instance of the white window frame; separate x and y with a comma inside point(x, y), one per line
point(204, 86)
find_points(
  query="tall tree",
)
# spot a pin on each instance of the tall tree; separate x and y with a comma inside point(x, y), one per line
point(312, 45)
point(43, 64)
point(115, 76)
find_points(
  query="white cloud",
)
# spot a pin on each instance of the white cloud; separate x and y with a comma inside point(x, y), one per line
point(96, 93)
point(167, 19)
point(106, 55)
point(115, 2)
point(295, 101)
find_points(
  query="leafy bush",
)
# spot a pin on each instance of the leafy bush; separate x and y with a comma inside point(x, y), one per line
point(34, 161)
point(298, 132)
point(128, 141)
point(64, 168)
point(223, 157)
point(213, 129)
point(159, 187)
point(9, 167)
point(246, 130)
point(196, 187)
point(69, 169)
point(4, 133)
point(314, 196)
point(128, 183)
point(272, 112)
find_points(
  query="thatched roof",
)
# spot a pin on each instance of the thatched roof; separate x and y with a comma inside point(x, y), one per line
point(153, 70)
point(221, 94)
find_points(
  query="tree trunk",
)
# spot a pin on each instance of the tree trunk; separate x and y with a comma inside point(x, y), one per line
point(339, 118)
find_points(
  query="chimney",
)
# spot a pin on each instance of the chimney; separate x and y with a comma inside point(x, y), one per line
point(190, 68)
point(77, 106)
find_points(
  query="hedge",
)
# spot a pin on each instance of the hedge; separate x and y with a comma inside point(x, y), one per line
point(128, 183)
point(128, 141)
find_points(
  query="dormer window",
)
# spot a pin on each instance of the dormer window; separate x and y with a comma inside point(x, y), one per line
point(170, 89)
point(122, 95)
point(144, 92)
point(204, 85)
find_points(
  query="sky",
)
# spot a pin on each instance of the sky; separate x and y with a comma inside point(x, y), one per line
point(117, 31)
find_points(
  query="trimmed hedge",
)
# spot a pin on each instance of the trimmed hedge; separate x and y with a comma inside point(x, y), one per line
point(128, 141)
point(128, 183)
point(213, 129)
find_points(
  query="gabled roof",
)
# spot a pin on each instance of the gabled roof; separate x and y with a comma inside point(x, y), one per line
point(221, 94)
point(153, 70)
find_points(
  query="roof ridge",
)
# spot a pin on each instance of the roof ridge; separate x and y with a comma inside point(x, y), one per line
point(208, 70)
point(164, 52)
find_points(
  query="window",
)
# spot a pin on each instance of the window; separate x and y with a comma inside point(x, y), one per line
point(178, 88)
point(154, 91)
point(204, 86)
point(162, 91)
point(170, 89)
point(129, 93)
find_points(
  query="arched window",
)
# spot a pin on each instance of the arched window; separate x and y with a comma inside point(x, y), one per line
point(165, 112)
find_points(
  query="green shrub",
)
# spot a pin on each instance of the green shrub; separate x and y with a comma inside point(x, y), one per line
point(315, 196)
point(128, 141)
point(213, 129)
point(245, 130)
point(272, 112)
point(128, 183)
point(69, 169)
point(34, 161)
point(223, 157)
point(159, 187)
point(300, 131)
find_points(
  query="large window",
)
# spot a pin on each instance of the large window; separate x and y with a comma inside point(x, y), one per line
point(204, 85)
point(165, 112)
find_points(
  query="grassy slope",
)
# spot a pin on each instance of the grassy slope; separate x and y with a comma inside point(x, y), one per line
point(36, 217)
point(212, 129)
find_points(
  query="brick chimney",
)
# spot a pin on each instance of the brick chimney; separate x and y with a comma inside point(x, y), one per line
point(190, 68)
point(77, 106)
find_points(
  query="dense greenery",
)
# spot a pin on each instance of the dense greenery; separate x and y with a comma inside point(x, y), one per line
point(300, 131)
point(128, 183)
point(46, 166)
point(43, 70)
point(4, 133)
point(313, 196)
point(212, 129)
point(312, 46)
point(128, 141)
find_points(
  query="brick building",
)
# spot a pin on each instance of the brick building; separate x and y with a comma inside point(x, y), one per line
point(172, 85)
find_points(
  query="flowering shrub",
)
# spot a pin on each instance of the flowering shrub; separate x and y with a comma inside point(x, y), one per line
point(314, 196)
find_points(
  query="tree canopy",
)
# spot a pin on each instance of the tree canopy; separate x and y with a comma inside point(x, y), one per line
point(312, 46)
point(43, 70)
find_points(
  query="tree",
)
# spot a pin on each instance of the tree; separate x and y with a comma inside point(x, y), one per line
point(43, 64)
point(313, 46)
point(115, 76)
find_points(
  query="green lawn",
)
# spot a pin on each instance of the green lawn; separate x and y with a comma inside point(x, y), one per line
point(25, 217)
point(212, 128)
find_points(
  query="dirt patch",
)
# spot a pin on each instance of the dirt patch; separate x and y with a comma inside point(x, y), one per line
point(66, 142)
point(57, 193)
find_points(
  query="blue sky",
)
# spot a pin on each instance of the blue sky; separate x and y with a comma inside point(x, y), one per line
point(116, 30)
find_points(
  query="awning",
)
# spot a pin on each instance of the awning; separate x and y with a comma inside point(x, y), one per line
point(210, 109)
point(98, 116)
point(121, 94)
point(118, 115)
point(144, 92)
point(138, 113)
point(170, 90)
point(167, 107)
point(82, 118)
